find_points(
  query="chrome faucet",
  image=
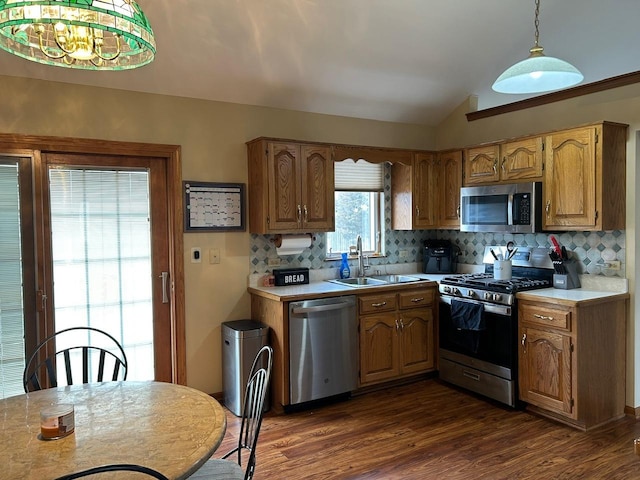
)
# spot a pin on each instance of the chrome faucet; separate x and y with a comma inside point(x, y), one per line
point(361, 258)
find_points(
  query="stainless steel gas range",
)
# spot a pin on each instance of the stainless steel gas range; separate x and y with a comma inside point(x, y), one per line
point(479, 322)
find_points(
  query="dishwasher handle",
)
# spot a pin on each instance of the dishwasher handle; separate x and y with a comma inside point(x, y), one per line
point(320, 308)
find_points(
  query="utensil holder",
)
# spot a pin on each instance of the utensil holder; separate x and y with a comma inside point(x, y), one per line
point(569, 279)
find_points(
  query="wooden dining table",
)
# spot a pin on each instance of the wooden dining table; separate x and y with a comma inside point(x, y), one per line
point(171, 428)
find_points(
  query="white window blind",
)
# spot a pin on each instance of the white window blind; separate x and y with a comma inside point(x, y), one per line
point(11, 306)
point(360, 176)
point(101, 247)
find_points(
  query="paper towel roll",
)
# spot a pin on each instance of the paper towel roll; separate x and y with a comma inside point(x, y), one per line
point(292, 244)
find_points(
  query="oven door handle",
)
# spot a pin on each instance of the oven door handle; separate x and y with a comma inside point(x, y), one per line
point(488, 307)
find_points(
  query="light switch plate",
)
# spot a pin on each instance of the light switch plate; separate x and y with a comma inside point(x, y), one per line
point(214, 256)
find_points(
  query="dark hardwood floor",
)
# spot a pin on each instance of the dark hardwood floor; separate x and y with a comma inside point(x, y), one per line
point(430, 430)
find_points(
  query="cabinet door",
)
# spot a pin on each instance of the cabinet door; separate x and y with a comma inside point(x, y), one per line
point(481, 165)
point(449, 183)
point(318, 201)
point(378, 347)
point(425, 212)
point(416, 340)
point(546, 370)
point(285, 208)
point(569, 193)
point(522, 159)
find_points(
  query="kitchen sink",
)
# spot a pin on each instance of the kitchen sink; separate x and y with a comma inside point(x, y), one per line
point(395, 278)
point(375, 280)
point(359, 281)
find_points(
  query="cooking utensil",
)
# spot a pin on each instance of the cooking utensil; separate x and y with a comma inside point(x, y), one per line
point(511, 250)
point(565, 255)
point(556, 245)
point(493, 253)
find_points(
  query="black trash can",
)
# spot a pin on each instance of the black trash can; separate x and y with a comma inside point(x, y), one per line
point(241, 342)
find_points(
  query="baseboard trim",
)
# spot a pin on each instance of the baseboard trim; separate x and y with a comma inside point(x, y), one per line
point(633, 412)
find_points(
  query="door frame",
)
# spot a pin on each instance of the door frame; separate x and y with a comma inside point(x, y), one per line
point(33, 145)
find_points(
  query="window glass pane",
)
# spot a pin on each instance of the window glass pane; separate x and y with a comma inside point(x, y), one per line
point(357, 213)
point(12, 359)
point(102, 258)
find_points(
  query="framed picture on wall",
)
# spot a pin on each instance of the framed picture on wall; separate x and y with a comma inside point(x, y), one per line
point(217, 207)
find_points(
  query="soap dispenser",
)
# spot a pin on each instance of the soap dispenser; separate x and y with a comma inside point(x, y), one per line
point(345, 271)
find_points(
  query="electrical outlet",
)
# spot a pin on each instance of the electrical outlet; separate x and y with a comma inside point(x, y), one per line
point(273, 262)
point(214, 256)
point(196, 255)
point(404, 253)
point(612, 265)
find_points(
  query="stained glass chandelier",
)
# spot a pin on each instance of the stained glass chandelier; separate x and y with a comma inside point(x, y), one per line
point(87, 34)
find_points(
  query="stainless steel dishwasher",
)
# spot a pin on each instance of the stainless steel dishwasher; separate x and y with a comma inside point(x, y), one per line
point(323, 348)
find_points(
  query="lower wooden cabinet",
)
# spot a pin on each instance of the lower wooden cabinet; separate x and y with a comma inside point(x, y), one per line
point(572, 358)
point(397, 336)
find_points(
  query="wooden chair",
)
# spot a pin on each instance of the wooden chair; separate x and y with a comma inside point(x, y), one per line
point(253, 412)
point(104, 356)
point(115, 468)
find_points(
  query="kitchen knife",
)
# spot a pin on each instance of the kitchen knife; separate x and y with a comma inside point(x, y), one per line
point(556, 245)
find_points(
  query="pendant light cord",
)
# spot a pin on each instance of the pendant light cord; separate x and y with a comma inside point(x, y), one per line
point(536, 23)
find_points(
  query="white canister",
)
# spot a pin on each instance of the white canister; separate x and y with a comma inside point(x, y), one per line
point(502, 269)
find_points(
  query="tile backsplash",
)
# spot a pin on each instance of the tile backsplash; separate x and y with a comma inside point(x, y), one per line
point(593, 250)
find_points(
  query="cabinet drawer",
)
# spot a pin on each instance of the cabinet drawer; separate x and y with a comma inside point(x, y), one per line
point(377, 303)
point(416, 298)
point(551, 317)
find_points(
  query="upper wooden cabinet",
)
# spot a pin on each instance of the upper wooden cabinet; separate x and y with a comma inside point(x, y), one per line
point(504, 162)
point(291, 187)
point(449, 184)
point(427, 194)
point(481, 164)
point(585, 178)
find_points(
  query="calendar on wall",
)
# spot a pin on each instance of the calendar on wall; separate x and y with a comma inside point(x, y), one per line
point(213, 206)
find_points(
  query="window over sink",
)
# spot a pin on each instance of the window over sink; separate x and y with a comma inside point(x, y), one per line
point(359, 208)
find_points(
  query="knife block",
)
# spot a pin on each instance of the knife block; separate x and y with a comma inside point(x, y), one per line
point(569, 280)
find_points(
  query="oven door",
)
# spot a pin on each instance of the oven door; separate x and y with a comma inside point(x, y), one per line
point(495, 344)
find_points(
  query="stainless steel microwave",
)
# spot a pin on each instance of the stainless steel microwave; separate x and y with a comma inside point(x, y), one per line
point(514, 208)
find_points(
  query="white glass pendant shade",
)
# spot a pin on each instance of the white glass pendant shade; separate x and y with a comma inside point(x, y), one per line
point(538, 74)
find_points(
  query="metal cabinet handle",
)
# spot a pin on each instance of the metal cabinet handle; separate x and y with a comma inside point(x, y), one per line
point(397, 325)
point(542, 317)
point(524, 342)
point(306, 214)
point(416, 300)
point(401, 326)
point(165, 280)
point(504, 161)
point(378, 305)
point(458, 211)
point(495, 166)
point(417, 211)
point(547, 208)
point(299, 215)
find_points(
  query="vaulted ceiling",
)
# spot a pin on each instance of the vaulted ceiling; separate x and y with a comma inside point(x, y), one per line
point(408, 61)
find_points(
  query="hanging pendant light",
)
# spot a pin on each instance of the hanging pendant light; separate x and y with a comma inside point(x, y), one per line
point(86, 34)
point(538, 73)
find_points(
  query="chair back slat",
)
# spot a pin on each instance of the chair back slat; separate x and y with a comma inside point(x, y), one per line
point(76, 357)
point(67, 367)
point(103, 354)
point(116, 370)
point(51, 371)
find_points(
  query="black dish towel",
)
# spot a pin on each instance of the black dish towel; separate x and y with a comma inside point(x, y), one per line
point(467, 316)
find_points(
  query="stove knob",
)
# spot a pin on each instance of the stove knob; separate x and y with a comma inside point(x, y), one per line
point(487, 296)
point(446, 289)
point(455, 291)
point(471, 293)
point(497, 297)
